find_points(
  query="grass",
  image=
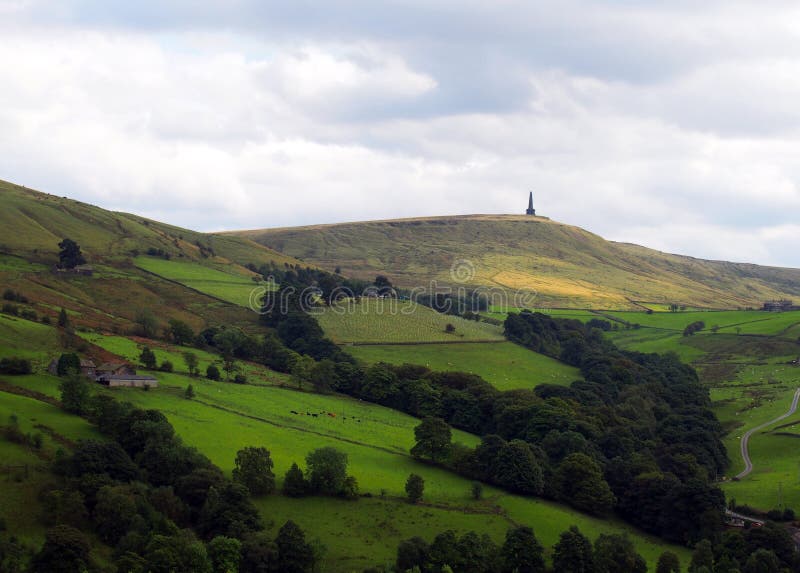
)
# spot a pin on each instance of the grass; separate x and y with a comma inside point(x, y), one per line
point(381, 321)
point(26, 339)
point(505, 365)
point(233, 285)
point(561, 265)
point(225, 417)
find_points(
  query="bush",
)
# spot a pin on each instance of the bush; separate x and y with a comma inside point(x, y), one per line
point(166, 366)
point(240, 379)
point(10, 309)
point(212, 372)
point(15, 366)
point(477, 490)
point(29, 314)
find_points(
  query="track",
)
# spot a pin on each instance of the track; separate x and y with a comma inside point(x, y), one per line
point(748, 465)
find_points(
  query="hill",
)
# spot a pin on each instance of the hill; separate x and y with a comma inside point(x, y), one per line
point(196, 277)
point(564, 265)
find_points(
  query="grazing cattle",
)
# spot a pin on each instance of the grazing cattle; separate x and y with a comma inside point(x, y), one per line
point(295, 413)
point(309, 413)
point(331, 414)
point(315, 415)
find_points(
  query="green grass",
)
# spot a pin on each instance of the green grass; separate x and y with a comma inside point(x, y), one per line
point(32, 412)
point(394, 321)
point(233, 285)
point(505, 365)
point(26, 339)
point(377, 449)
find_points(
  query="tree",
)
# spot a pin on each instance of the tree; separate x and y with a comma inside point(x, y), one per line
point(65, 550)
point(327, 470)
point(517, 469)
point(615, 553)
point(302, 370)
point(762, 561)
point(212, 372)
point(573, 553)
point(579, 481)
point(411, 553)
point(415, 486)
point(68, 362)
point(147, 323)
point(69, 255)
point(229, 366)
point(253, 469)
point(180, 332)
point(522, 552)
point(476, 490)
point(189, 393)
point(323, 375)
point(259, 555)
point(166, 366)
point(433, 439)
point(179, 552)
point(190, 358)
point(63, 318)
point(225, 554)
point(114, 513)
point(702, 557)
point(668, 562)
point(74, 393)
point(294, 554)
point(147, 358)
point(294, 483)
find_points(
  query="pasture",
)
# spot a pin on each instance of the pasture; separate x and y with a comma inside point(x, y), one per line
point(234, 284)
point(225, 417)
point(385, 321)
point(507, 366)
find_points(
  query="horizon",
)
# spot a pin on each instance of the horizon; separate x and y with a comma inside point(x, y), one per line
point(667, 126)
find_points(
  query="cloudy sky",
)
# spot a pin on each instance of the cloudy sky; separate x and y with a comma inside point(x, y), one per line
point(675, 125)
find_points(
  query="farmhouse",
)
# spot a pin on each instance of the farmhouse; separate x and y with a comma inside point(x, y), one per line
point(88, 367)
point(778, 305)
point(129, 380)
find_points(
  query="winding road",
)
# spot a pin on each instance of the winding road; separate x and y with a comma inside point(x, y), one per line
point(748, 465)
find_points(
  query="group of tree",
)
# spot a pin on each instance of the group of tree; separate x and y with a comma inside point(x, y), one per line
point(69, 255)
point(694, 327)
point(520, 552)
point(326, 474)
point(15, 366)
point(160, 505)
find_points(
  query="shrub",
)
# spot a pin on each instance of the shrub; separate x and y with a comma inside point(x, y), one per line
point(240, 379)
point(10, 309)
point(212, 372)
point(166, 366)
point(15, 366)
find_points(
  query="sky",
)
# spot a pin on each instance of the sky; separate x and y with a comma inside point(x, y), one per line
point(674, 125)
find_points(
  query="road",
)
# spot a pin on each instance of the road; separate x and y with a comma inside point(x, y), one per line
point(748, 465)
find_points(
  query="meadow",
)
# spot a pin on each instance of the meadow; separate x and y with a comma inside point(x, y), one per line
point(235, 284)
point(224, 417)
point(384, 321)
point(505, 365)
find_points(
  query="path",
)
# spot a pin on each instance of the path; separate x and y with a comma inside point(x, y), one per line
point(748, 465)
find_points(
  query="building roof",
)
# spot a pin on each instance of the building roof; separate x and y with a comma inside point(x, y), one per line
point(125, 377)
point(86, 363)
point(113, 366)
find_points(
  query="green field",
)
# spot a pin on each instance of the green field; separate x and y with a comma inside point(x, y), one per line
point(235, 284)
point(505, 365)
point(383, 321)
point(225, 417)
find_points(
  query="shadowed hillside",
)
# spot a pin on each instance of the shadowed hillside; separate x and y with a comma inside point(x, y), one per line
point(565, 265)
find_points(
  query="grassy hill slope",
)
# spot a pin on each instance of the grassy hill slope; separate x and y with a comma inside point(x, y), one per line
point(565, 265)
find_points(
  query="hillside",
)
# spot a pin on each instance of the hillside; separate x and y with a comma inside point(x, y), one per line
point(566, 266)
point(196, 277)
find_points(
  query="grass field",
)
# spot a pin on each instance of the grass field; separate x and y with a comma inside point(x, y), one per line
point(233, 285)
point(505, 365)
point(225, 417)
point(395, 321)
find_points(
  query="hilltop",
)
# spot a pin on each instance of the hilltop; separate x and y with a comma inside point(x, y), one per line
point(565, 265)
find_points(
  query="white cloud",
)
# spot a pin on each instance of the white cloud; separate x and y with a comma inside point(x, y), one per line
point(670, 127)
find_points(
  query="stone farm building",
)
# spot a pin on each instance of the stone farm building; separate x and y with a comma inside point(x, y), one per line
point(112, 374)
